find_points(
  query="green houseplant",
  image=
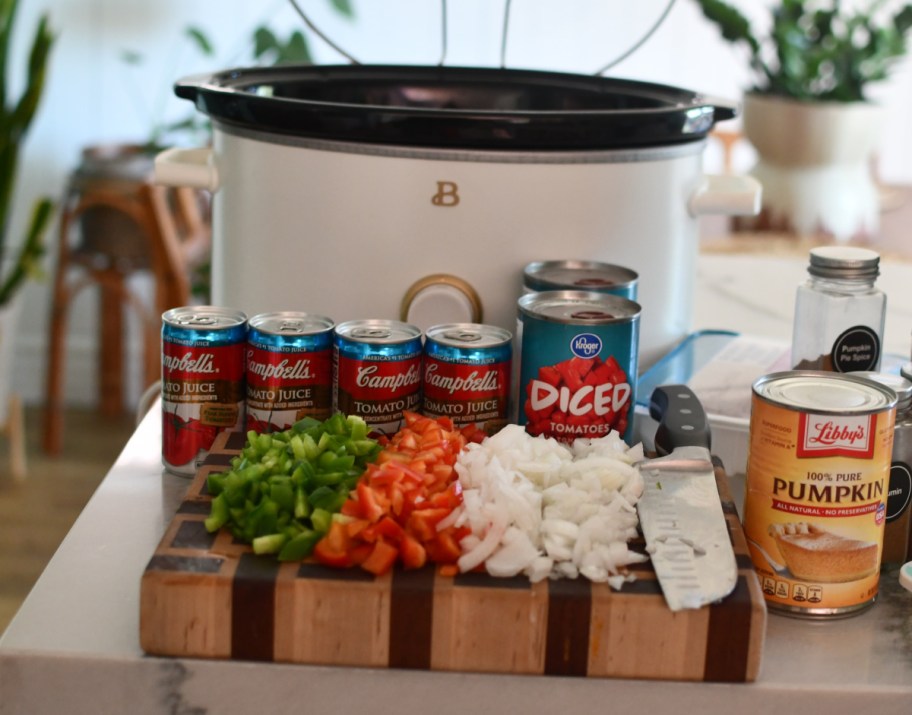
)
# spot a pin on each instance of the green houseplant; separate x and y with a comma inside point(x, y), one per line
point(808, 113)
point(816, 50)
point(16, 114)
point(19, 262)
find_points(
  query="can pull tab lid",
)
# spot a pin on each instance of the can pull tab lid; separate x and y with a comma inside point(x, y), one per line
point(198, 320)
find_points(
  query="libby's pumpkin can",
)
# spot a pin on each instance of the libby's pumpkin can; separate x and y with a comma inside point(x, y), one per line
point(818, 466)
point(202, 386)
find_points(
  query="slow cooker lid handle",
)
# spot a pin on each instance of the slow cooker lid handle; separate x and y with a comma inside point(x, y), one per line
point(508, 5)
point(323, 36)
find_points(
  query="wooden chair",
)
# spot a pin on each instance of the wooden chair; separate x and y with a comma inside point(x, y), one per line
point(111, 228)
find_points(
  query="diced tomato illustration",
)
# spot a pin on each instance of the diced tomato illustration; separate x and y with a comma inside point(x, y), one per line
point(578, 397)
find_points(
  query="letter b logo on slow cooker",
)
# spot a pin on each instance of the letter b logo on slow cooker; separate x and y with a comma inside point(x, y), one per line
point(447, 194)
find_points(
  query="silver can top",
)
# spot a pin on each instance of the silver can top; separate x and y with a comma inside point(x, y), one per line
point(900, 384)
point(825, 392)
point(291, 323)
point(577, 275)
point(578, 307)
point(377, 331)
point(472, 335)
point(206, 317)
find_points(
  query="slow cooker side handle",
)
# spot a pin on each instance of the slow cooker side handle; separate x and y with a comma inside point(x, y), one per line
point(726, 195)
point(187, 167)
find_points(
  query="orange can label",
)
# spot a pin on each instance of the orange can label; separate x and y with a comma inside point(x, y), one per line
point(815, 502)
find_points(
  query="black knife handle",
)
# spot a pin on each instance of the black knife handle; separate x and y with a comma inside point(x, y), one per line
point(682, 420)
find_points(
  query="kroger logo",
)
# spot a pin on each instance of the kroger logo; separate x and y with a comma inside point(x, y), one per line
point(586, 345)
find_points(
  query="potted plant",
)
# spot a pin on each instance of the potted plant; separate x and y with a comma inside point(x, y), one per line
point(18, 262)
point(808, 114)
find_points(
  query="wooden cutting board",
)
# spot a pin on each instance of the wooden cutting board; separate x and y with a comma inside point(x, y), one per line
point(205, 595)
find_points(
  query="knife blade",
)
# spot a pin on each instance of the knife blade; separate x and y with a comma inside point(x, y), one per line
point(680, 510)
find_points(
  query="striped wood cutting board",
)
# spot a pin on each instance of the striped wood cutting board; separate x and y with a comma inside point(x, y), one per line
point(204, 595)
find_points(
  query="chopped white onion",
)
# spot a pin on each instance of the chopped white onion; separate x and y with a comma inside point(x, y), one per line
point(547, 509)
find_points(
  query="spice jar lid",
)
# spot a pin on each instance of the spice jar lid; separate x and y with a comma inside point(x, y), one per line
point(844, 262)
point(900, 384)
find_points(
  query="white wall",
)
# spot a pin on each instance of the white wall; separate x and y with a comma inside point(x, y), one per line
point(94, 97)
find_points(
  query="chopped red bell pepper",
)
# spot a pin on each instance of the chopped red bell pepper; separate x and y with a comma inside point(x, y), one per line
point(401, 499)
point(381, 559)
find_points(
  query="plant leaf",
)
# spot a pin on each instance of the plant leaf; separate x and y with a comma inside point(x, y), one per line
point(27, 261)
point(264, 41)
point(343, 7)
point(200, 39)
point(296, 50)
point(131, 57)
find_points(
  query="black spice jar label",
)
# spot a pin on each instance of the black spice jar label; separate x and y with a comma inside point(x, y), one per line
point(899, 493)
point(857, 348)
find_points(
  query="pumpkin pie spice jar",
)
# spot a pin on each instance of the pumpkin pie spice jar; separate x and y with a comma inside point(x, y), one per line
point(815, 504)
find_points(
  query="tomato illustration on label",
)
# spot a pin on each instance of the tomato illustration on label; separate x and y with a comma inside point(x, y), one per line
point(579, 397)
point(185, 438)
point(578, 364)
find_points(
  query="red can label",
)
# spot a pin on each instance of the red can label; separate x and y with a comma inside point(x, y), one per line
point(467, 393)
point(379, 391)
point(282, 388)
point(202, 395)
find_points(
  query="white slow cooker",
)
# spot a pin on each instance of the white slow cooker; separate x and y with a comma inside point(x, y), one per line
point(420, 193)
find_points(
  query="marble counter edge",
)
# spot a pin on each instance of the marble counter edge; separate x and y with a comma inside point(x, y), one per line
point(154, 686)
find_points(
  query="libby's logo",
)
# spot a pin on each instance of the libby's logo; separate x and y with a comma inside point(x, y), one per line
point(447, 194)
point(203, 363)
point(826, 436)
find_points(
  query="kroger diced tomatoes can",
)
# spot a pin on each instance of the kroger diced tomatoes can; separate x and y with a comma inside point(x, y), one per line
point(202, 381)
point(818, 466)
point(467, 374)
point(377, 372)
point(580, 275)
point(289, 369)
point(578, 364)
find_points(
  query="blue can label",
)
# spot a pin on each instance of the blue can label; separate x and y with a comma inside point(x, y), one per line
point(578, 364)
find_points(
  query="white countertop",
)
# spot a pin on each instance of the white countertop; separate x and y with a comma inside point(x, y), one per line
point(74, 645)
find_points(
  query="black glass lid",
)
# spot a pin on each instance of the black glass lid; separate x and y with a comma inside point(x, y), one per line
point(454, 107)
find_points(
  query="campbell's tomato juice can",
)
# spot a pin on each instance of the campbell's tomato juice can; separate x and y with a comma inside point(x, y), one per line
point(578, 364)
point(467, 373)
point(202, 381)
point(289, 369)
point(377, 372)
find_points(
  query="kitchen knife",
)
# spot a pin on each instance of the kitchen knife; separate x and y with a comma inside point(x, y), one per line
point(680, 511)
